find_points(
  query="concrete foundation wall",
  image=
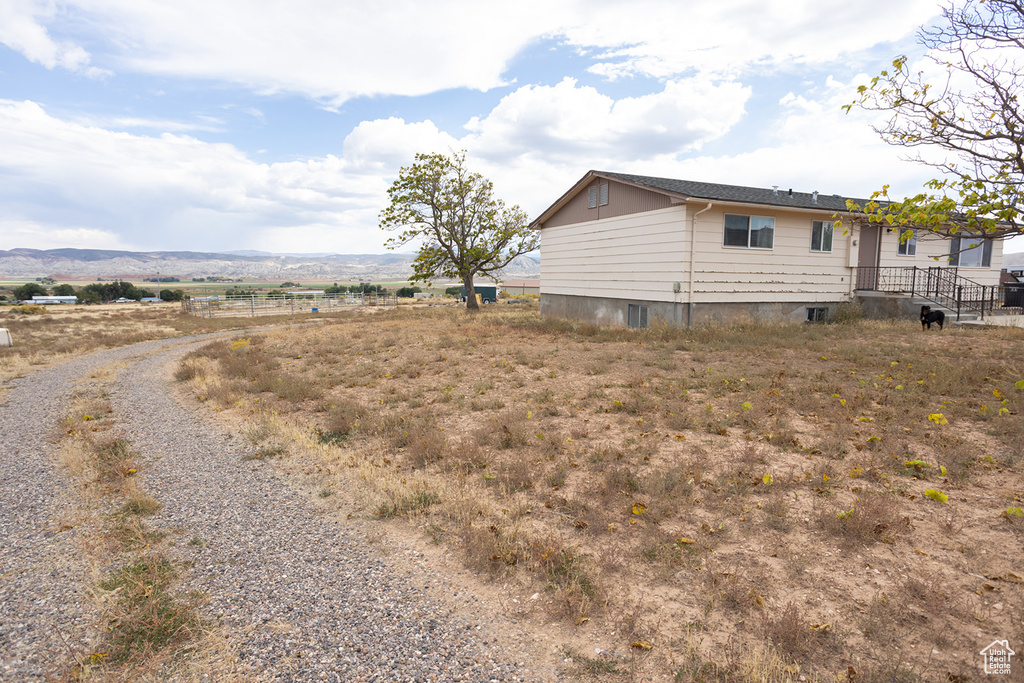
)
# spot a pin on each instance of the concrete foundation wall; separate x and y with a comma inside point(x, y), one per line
point(608, 311)
point(881, 306)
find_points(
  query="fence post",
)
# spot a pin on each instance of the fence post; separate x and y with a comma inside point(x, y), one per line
point(959, 296)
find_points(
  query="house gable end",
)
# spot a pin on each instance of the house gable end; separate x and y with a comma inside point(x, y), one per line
point(606, 198)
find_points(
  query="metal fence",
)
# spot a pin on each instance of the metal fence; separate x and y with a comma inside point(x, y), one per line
point(943, 286)
point(289, 303)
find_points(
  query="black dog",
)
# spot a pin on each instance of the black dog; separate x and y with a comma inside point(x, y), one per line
point(928, 316)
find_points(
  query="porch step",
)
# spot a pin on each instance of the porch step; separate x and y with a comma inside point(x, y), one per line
point(1003, 320)
point(965, 318)
point(909, 307)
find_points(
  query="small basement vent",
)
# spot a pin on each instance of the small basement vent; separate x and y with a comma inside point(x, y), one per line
point(817, 315)
point(637, 316)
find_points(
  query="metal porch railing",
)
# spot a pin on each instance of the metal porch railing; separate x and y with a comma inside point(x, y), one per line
point(943, 286)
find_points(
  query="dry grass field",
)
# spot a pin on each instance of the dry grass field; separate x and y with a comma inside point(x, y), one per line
point(50, 334)
point(760, 502)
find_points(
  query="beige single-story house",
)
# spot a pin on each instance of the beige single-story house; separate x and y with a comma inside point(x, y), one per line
point(625, 249)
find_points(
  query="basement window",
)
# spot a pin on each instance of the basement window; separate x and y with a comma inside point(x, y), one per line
point(817, 315)
point(637, 316)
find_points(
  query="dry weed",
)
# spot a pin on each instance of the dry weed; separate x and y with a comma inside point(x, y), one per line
point(580, 458)
point(871, 518)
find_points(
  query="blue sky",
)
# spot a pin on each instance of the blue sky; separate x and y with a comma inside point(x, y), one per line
point(218, 125)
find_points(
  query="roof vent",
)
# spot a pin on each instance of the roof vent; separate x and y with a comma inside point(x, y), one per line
point(814, 197)
point(791, 193)
point(775, 190)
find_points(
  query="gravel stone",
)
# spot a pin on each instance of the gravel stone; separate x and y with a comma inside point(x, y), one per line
point(297, 594)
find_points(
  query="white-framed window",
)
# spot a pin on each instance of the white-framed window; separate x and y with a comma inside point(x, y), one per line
point(749, 232)
point(970, 252)
point(821, 235)
point(597, 195)
point(907, 247)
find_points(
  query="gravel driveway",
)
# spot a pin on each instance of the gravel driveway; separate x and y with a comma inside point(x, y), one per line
point(295, 593)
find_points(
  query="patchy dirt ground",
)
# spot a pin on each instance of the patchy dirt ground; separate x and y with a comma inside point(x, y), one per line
point(758, 502)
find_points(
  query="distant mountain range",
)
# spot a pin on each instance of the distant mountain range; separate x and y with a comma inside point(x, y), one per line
point(249, 265)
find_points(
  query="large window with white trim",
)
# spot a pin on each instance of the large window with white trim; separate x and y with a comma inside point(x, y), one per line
point(821, 235)
point(749, 232)
point(970, 252)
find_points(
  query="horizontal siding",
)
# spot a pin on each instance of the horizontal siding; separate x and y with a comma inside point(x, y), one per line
point(622, 201)
point(933, 251)
point(810, 295)
point(634, 253)
point(612, 233)
point(789, 271)
point(638, 256)
point(730, 281)
point(991, 276)
point(642, 255)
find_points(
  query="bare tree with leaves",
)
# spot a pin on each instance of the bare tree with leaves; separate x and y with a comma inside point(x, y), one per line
point(973, 114)
point(463, 231)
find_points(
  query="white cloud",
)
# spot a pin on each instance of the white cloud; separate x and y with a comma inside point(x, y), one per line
point(334, 51)
point(569, 122)
point(22, 28)
point(664, 39)
point(328, 50)
point(807, 142)
point(814, 146)
point(33, 235)
point(174, 191)
point(387, 144)
point(165, 125)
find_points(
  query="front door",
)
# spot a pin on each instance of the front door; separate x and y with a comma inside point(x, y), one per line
point(867, 256)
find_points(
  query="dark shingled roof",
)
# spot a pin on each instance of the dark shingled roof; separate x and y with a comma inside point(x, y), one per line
point(735, 193)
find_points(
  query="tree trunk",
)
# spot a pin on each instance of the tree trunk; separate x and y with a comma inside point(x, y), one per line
point(471, 303)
